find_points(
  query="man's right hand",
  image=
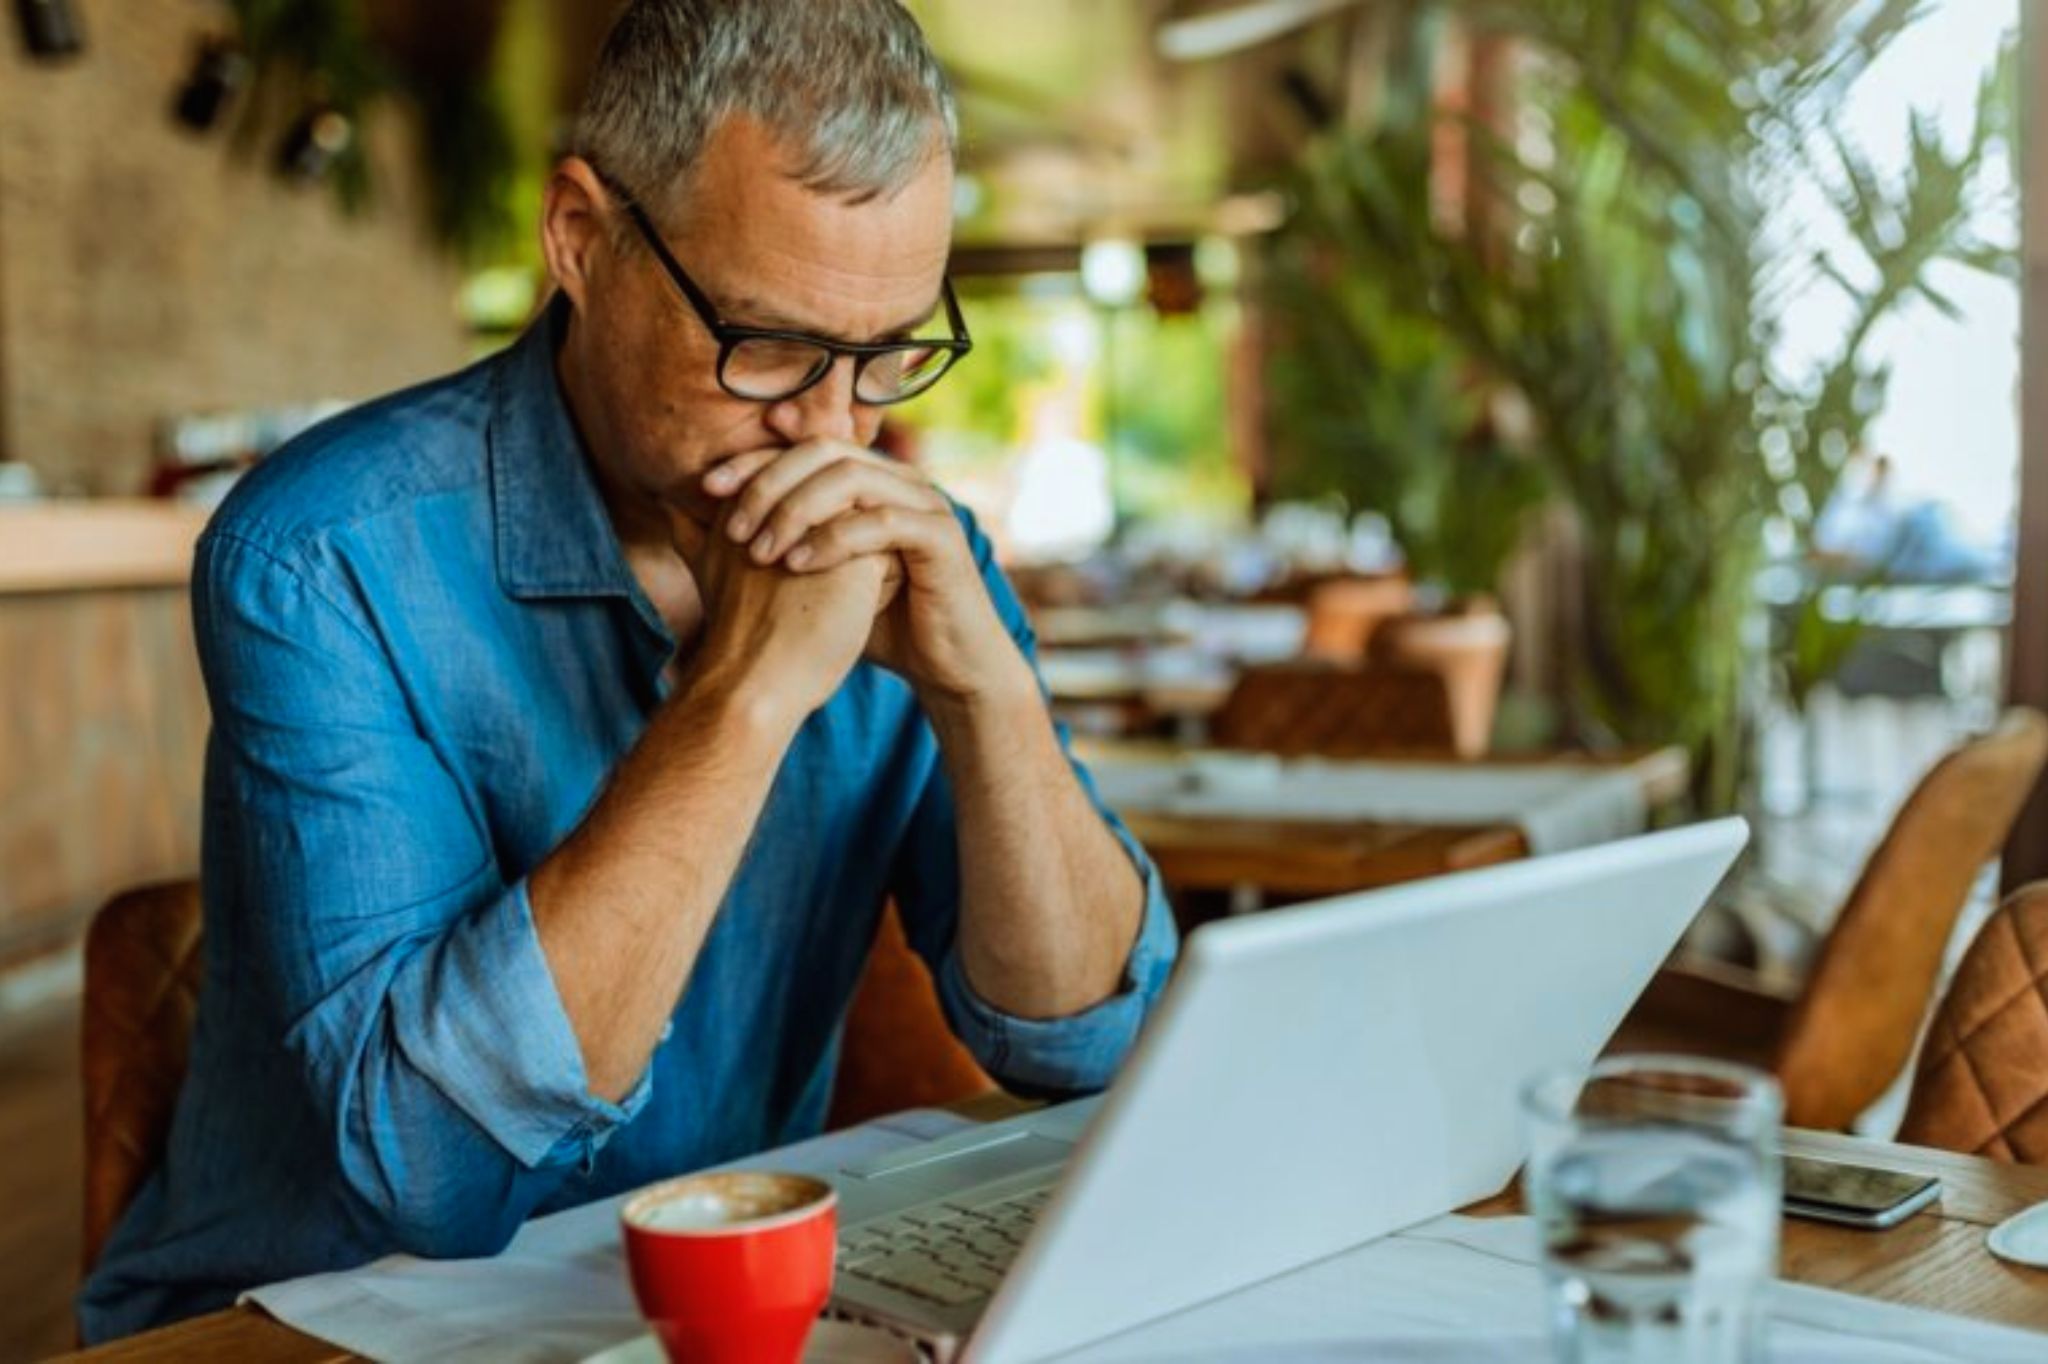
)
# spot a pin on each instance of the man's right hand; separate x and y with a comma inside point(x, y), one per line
point(796, 636)
point(623, 903)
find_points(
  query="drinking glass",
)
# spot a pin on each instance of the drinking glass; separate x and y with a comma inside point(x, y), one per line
point(1655, 1181)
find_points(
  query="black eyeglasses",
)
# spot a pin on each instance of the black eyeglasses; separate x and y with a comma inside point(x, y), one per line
point(769, 365)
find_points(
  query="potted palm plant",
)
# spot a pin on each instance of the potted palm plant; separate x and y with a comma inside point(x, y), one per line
point(1635, 304)
point(1380, 409)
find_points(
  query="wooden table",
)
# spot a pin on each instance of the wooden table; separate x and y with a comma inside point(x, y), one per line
point(1251, 632)
point(1935, 1260)
point(1088, 683)
point(1329, 857)
point(1105, 627)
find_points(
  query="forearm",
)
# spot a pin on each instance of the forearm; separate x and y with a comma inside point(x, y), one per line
point(623, 905)
point(1050, 902)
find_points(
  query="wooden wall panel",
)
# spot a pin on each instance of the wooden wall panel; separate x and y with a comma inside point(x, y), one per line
point(102, 738)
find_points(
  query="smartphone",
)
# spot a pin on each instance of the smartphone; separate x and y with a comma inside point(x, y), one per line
point(1854, 1195)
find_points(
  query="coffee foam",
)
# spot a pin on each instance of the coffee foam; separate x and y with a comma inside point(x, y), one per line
point(715, 1202)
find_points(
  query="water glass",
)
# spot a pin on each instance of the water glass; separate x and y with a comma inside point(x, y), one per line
point(1655, 1181)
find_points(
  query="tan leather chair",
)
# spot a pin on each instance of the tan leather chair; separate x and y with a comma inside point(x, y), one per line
point(1840, 1042)
point(898, 1052)
point(141, 991)
point(1310, 709)
point(1982, 1086)
point(1854, 1026)
point(142, 987)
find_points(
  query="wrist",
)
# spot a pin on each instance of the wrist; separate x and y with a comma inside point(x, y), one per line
point(740, 702)
point(1005, 697)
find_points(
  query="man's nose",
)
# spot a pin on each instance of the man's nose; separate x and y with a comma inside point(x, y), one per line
point(824, 411)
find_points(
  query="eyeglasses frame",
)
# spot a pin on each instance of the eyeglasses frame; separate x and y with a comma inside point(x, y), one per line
point(730, 335)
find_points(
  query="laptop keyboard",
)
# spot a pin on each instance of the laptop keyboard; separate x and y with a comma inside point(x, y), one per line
point(949, 1254)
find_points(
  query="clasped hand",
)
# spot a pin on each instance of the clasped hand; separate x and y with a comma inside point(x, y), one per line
point(867, 556)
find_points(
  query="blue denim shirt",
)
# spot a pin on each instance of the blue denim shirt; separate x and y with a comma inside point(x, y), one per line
point(424, 652)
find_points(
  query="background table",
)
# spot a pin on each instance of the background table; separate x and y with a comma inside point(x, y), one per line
point(1935, 1260)
point(1332, 857)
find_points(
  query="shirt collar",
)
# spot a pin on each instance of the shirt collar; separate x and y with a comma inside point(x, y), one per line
point(554, 536)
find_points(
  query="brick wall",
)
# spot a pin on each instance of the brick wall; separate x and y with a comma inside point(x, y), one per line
point(144, 270)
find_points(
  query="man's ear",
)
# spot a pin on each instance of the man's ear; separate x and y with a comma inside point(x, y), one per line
point(574, 226)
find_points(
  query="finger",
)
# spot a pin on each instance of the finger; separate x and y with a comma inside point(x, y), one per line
point(773, 481)
point(792, 467)
point(843, 488)
point(916, 535)
point(735, 473)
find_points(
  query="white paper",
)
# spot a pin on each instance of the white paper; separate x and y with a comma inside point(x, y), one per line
point(1457, 1290)
point(1558, 807)
point(1468, 1290)
point(558, 1293)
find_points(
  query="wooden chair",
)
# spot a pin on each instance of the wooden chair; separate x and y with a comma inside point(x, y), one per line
point(1982, 1085)
point(1308, 709)
point(1841, 1042)
point(142, 980)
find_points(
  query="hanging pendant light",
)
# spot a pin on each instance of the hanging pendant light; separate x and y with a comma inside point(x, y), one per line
point(50, 28)
point(315, 141)
point(219, 72)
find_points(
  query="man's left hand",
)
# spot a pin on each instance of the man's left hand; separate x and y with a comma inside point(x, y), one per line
point(813, 507)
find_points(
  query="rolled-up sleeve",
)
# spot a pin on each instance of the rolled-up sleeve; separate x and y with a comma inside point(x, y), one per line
point(361, 902)
point(1077, 1054)
point(456, 1018)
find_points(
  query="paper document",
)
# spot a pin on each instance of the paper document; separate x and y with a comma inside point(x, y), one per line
point(1456, 1289)
point(1467, 1290)
point(557, 1294)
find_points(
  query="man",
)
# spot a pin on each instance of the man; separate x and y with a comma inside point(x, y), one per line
point(575, 716)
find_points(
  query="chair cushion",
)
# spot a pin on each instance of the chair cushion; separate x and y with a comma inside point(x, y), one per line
point(1982, 1086)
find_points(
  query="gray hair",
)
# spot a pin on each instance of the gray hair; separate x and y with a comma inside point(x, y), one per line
point(849, 85)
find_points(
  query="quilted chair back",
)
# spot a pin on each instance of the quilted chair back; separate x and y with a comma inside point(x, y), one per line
point(141, 992)
point(1312, 710)
point(1982, 1087)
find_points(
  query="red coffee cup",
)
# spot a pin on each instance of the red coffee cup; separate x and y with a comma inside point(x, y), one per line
point(732, 1268)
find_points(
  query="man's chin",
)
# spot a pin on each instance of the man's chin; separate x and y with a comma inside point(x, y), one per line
point(690, 504)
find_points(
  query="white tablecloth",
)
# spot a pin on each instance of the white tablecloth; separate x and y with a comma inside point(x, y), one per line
point(1467, 1290)
point(557, 1294)
point(1455, 1289)
point(1557, 806)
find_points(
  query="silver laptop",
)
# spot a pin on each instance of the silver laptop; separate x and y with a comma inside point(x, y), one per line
point(1314, 1077)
